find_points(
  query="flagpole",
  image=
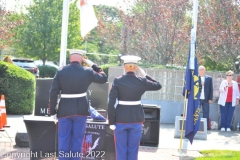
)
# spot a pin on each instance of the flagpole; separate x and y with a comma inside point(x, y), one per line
point(191, 65)
point(184, 113)
point(180, 153)
point(85, 45)
point(65, 15)
point(193, 33)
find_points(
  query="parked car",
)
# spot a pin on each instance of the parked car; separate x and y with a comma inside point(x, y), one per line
point(47, 63)
point(27, 64)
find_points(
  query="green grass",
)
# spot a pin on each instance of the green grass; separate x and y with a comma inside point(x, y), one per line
point(219, 155)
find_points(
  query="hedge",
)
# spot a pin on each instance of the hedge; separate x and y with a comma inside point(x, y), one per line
point(106, 66)
point(49, 72)
point(46, 71)
point(18, 87)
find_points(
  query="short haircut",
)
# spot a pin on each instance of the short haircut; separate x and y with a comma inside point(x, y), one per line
point(230, 72)
point(202, 67)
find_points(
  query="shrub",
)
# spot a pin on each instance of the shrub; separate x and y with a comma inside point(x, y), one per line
point(106, 66)
point(18, 87)
point(46, 71)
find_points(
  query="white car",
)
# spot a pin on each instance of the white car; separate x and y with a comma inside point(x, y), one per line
point(27, 64)
point(47, 63)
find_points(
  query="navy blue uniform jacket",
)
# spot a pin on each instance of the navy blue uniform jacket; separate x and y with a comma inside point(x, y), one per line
point(208, 88)
point(129, 87)
point(73, 79)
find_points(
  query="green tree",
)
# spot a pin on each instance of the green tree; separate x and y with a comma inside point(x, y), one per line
point(99, 41)
point(218, 33)
point(74, 39)
point(40, 35)
point(7, 25)
point(156, 30)
point(109, 31)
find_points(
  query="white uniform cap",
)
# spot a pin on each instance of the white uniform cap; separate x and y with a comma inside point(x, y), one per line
point(130, 59)
point(75, 51)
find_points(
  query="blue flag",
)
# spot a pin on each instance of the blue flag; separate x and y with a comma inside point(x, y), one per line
point(95, 115)
point(193, 109)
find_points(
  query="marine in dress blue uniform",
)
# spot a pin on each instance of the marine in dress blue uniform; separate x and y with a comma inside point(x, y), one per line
point(127, 118)
point(72, 82)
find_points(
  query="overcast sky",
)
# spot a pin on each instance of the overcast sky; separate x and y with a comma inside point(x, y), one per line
point(105, 2)
point(11, 4)
point(17, 4)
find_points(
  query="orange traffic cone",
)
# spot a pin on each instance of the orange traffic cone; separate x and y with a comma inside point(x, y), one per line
point(1, 123)
point(3, 111)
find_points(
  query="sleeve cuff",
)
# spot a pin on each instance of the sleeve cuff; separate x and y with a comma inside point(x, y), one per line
point(96, 68)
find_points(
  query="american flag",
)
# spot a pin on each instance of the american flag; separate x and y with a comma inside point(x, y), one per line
point(87, 143)
point(88, 19)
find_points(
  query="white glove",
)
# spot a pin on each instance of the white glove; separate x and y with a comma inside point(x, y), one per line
point(54, 117)
point(90, 63)
point(142, 72)
point(112, 127)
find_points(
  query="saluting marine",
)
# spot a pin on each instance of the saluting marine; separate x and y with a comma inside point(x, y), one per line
point(128, 117)
point(72, 82)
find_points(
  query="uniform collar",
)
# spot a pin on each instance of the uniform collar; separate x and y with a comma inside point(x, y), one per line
point(130, 73)
point(75, 62)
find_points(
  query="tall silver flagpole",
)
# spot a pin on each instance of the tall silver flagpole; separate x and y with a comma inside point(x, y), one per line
point(193, 33)
point(180, 152)
point(65, 15)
